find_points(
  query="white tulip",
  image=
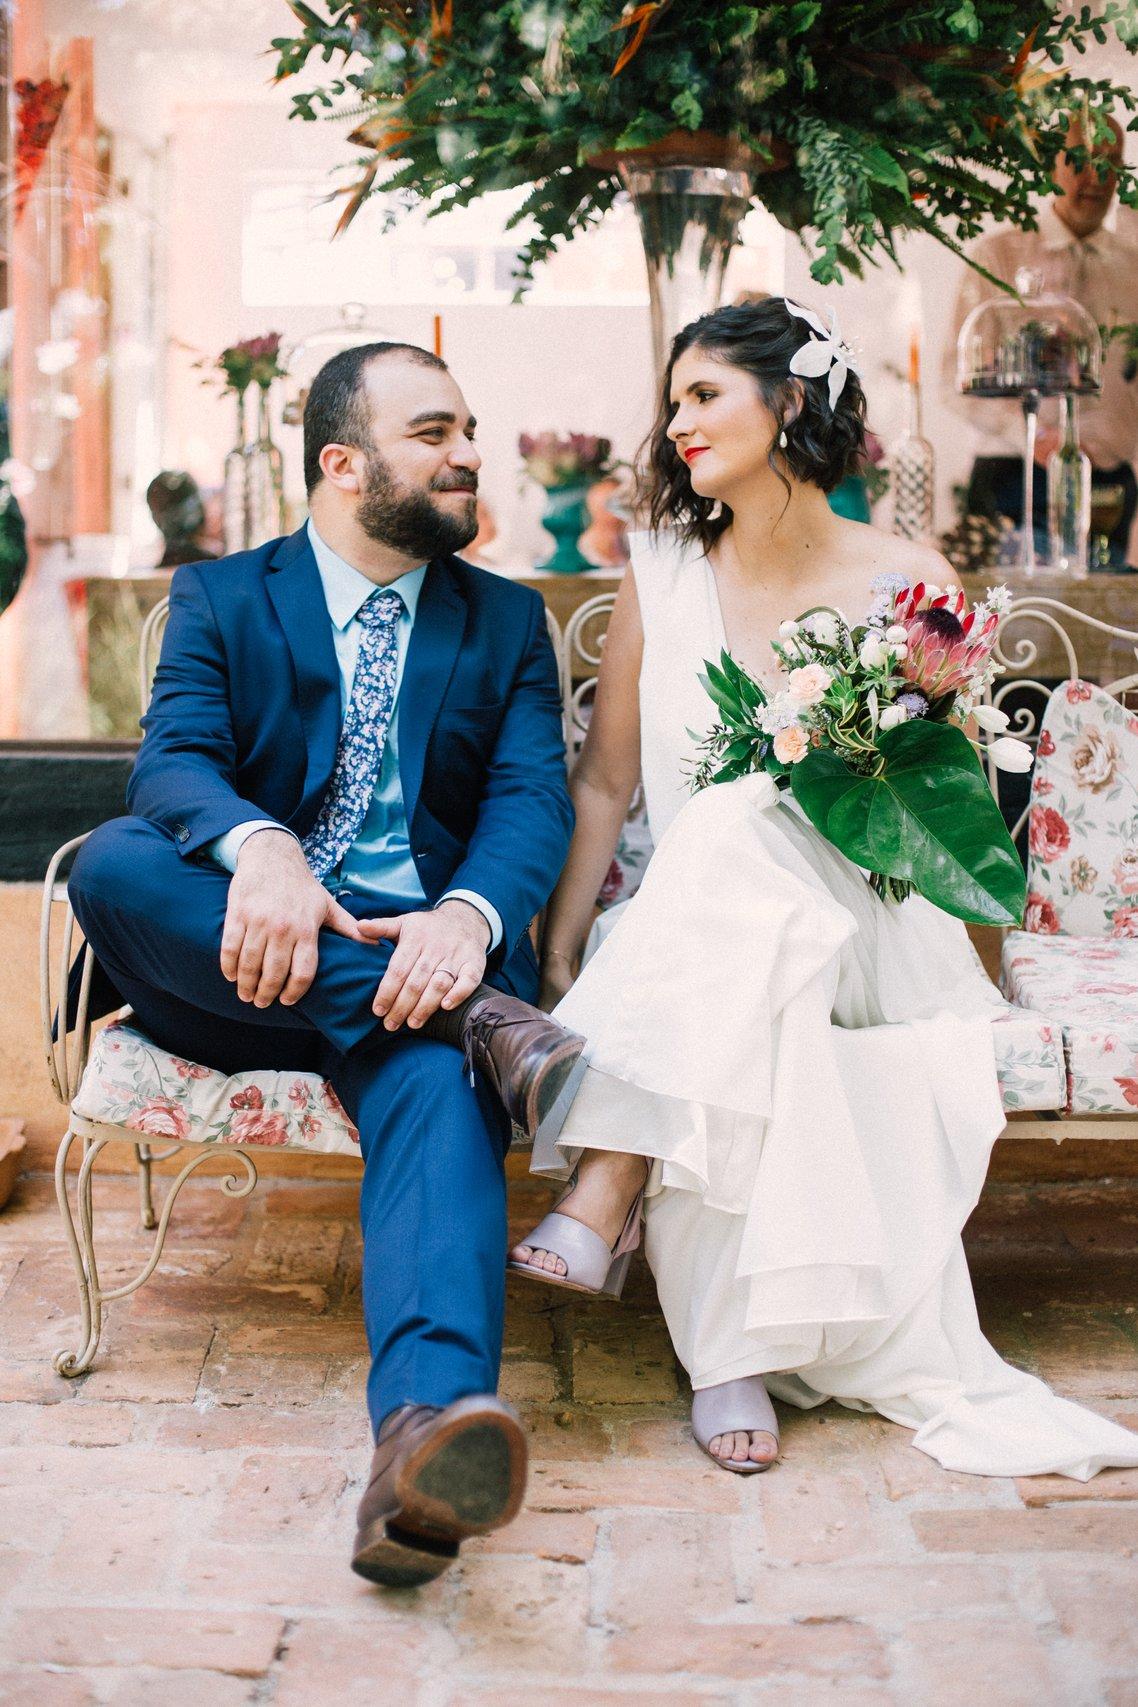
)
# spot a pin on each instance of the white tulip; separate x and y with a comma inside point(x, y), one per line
point(873, 653)
point(1008, 754)
point(991, 719)
point(893, 715)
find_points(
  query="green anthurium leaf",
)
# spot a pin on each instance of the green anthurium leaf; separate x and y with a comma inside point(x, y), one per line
point(929, 819)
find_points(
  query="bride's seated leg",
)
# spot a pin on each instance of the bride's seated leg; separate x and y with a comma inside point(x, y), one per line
point(598, 1193)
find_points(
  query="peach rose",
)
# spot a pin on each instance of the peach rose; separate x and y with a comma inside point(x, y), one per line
point(807, 685)
point(1096, 760)
point(256, 1126)
point(160, 1118)
point(790, 744)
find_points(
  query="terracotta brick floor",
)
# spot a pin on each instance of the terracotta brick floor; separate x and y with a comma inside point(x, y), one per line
point(174, 1528)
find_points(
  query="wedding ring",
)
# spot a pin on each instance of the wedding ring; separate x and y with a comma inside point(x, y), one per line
point(449, 973)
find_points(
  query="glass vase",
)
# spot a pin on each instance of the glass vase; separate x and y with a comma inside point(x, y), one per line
point(1069, 494)
point(912, 467)
point(233, 521)
point(264, 481)
point(690, 194)
point(566, 518)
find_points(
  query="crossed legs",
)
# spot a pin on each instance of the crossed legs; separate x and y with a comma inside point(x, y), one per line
point(433, 1144)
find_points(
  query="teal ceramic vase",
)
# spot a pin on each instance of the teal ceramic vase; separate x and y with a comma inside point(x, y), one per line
point(566, 518)
point(851, 499)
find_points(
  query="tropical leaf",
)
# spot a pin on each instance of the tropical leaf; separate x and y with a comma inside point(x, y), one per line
point(929, 819)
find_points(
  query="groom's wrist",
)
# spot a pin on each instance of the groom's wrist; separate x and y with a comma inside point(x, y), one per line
point(468, 911)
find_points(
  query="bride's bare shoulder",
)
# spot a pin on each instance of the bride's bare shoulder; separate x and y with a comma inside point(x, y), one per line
point(882, 553)
point(868, 552)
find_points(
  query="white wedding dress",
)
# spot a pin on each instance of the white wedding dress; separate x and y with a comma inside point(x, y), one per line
point(812, 1072)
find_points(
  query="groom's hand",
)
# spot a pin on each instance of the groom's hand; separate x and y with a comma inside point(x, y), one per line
point(275, 914)
point(439, 960)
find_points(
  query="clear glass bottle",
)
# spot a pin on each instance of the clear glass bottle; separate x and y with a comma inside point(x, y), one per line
point(264, 473)
point(1069, 494)
point(234, 519)
point(912, 463)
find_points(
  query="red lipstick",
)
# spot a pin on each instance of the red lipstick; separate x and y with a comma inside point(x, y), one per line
point(693, 451)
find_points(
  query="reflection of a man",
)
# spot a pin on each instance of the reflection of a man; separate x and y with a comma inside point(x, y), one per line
point(1078, 257)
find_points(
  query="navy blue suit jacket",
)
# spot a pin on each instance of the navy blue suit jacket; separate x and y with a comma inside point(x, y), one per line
point(245, 717)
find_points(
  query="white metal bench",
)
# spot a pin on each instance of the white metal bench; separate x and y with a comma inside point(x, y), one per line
point(117, 1086)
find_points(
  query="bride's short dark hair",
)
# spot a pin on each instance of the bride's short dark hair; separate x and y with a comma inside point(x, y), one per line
point(823, 446)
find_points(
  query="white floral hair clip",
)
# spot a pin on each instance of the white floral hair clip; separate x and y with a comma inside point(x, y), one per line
point(827, 353)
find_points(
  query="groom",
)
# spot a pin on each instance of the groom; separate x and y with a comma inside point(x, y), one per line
point(349, 804)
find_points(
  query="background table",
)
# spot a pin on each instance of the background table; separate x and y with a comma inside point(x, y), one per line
point(111, 610)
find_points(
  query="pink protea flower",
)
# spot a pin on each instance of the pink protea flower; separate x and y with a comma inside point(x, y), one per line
point(947, 646)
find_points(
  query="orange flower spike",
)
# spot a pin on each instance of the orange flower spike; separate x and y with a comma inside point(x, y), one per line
point(1024, 53)
point(359, 194)
point(642, 17)
point(442, 20)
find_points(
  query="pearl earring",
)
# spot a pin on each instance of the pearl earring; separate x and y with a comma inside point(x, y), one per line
point(782, 438)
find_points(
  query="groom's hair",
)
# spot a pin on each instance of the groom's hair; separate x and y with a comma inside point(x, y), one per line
point(336, 410)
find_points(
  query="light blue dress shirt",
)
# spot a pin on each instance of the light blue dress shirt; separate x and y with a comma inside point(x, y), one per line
point(379, 861)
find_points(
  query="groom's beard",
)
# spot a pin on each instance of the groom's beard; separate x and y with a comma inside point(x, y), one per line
point(410, 521)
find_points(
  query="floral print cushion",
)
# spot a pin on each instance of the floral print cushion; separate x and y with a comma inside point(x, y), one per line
point(1083, 826)
point(130, 1082)
point(633, 851)
point(1089, 986)
point(1029, 1061)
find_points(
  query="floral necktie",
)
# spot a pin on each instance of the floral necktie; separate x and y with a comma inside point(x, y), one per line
point(363, 737)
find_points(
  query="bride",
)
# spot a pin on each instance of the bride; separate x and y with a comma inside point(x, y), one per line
point(790, 1082)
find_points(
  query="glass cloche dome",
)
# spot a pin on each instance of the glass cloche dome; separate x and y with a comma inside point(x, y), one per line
point(1040, 344)
point(305, 358)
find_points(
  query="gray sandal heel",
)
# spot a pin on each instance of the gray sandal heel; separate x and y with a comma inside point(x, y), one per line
point(734, 1407)
point(590, 1265)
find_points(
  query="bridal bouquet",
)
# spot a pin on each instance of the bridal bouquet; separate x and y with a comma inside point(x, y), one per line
point(868, 735)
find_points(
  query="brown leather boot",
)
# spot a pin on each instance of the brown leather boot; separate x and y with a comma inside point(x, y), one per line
point(533, 1063)
point(437, 1476)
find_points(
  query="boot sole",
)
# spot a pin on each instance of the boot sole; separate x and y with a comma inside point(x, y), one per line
point(550, 1097)
point(469, 1477)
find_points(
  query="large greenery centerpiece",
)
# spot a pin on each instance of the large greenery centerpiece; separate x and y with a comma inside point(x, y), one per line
point(854, 119)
